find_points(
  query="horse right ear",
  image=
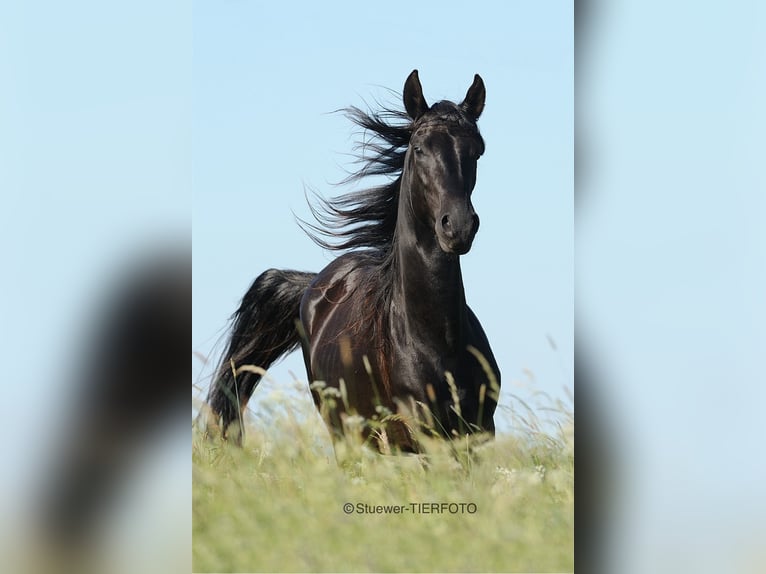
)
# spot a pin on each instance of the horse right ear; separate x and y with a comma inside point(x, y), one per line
point(414, 102)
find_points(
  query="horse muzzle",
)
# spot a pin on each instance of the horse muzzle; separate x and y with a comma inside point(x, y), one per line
point(456, 231)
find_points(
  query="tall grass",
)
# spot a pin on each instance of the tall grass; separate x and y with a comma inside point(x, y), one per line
point(277, 505)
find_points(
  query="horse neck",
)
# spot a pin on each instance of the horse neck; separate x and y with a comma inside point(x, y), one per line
point(427, 284)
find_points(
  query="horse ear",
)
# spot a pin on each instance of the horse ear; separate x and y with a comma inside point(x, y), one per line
point(414, 102)
point(473, 104)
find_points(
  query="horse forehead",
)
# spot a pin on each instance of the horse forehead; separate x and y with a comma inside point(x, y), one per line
point(448, 134)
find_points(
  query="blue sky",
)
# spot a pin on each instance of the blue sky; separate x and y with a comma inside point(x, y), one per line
point(267, 76)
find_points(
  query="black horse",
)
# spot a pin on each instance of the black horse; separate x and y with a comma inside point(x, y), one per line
point(386, 324)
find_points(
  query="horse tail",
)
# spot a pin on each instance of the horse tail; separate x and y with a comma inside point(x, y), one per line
point(264, 329)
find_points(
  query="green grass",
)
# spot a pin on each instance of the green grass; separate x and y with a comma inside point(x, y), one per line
point(277, 505)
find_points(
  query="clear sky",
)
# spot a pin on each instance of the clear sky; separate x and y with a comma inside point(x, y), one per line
point(266, 76)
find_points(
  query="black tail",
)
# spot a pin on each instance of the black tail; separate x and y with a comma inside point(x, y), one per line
point(263, 330)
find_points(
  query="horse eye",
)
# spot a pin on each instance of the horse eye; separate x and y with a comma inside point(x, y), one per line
point(418, 150)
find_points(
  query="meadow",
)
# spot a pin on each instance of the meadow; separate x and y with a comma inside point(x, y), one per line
point(285, 503)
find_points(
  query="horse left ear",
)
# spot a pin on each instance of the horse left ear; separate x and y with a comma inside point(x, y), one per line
point(473, 104)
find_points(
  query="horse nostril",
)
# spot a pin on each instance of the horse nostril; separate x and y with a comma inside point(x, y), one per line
point(446, 225)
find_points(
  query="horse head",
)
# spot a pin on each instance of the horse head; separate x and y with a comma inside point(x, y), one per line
point(440, 167)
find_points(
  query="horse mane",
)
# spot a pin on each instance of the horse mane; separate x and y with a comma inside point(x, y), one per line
point(366, 218)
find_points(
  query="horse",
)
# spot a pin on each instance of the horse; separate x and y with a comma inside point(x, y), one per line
point(385, 325)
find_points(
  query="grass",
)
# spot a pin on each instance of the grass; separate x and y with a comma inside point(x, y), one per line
point(277, 505)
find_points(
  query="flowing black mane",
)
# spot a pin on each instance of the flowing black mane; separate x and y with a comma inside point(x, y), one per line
point(366, 219)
